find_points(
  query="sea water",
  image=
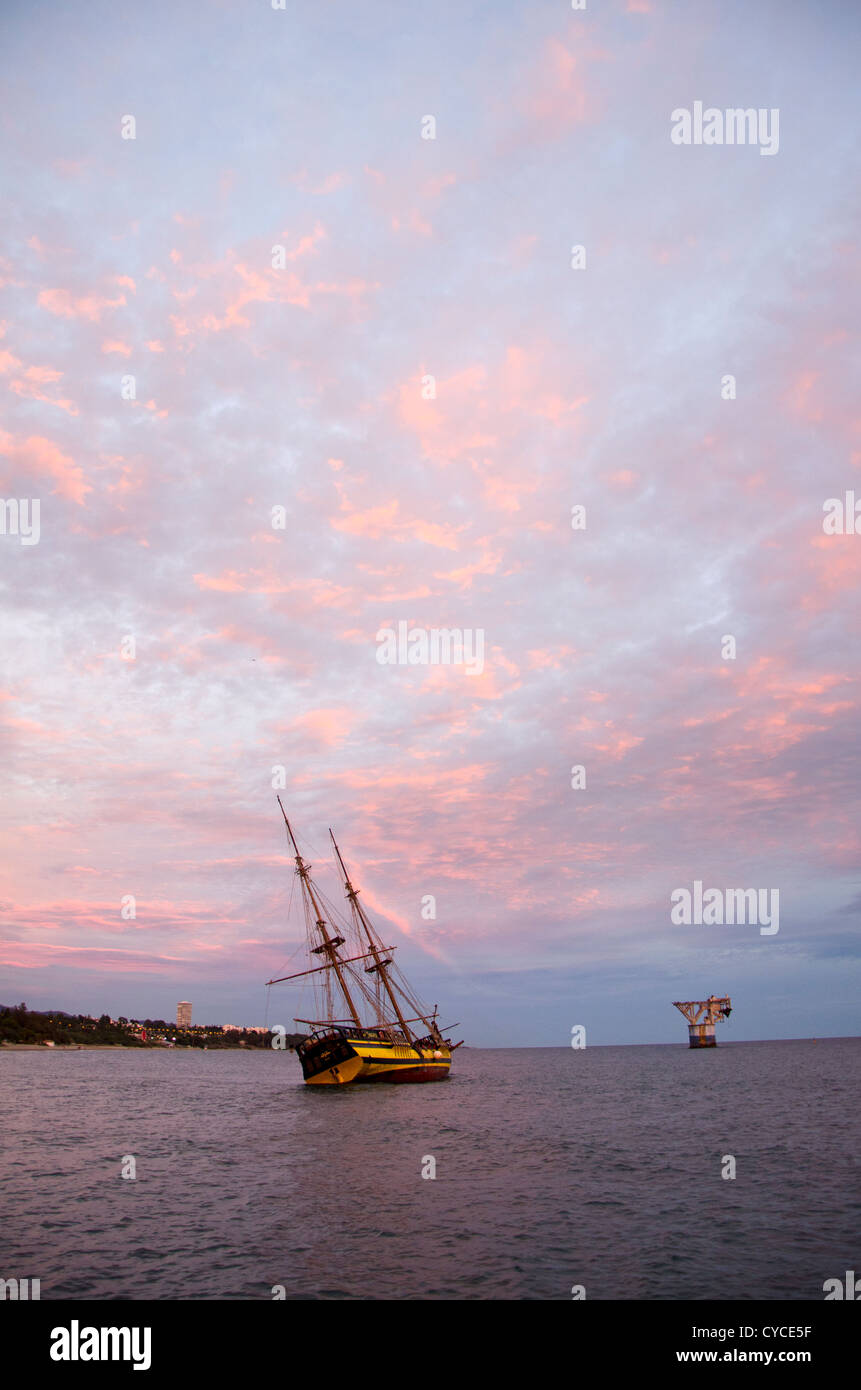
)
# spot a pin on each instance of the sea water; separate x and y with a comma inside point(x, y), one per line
point(555, 1172)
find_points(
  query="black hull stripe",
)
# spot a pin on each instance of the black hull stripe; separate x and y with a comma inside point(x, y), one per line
point(405, 1061)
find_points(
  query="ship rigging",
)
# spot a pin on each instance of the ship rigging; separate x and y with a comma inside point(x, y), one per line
point(403, 1041)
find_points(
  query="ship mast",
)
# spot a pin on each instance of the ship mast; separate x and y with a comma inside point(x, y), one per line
point(330, 943)
point(380, 962)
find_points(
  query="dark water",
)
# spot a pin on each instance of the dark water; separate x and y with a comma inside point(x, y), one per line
point(554, 1167)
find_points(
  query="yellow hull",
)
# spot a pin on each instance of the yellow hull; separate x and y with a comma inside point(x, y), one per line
point(337, 1076)
point(380, 1061)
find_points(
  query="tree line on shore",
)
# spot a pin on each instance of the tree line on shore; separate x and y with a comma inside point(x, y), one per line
point(18, 1024)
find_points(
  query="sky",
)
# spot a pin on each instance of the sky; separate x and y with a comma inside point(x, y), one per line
point(304, 351)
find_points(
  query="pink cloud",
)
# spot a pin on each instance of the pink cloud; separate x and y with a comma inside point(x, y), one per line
point(39, 455)
point(330, 184)
point(385, 520)
point(34, 955)
point(326, 727)
point(30, 390)
point(65, 305)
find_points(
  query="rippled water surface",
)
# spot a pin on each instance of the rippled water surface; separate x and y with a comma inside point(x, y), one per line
point(554, 1167)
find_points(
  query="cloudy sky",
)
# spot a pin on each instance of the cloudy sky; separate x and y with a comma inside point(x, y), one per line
point(426, 385)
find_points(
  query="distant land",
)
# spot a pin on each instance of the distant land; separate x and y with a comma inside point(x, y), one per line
point(23, 1027)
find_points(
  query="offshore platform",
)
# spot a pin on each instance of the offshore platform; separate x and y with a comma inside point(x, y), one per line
point(702, 1015)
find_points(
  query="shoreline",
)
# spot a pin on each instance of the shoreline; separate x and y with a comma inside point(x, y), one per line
point(123, 1047)
point(87, 1047)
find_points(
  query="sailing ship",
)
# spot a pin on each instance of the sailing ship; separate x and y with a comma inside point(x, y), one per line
point(399, 1040)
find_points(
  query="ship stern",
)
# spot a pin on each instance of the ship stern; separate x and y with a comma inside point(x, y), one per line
point(327, 1059)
